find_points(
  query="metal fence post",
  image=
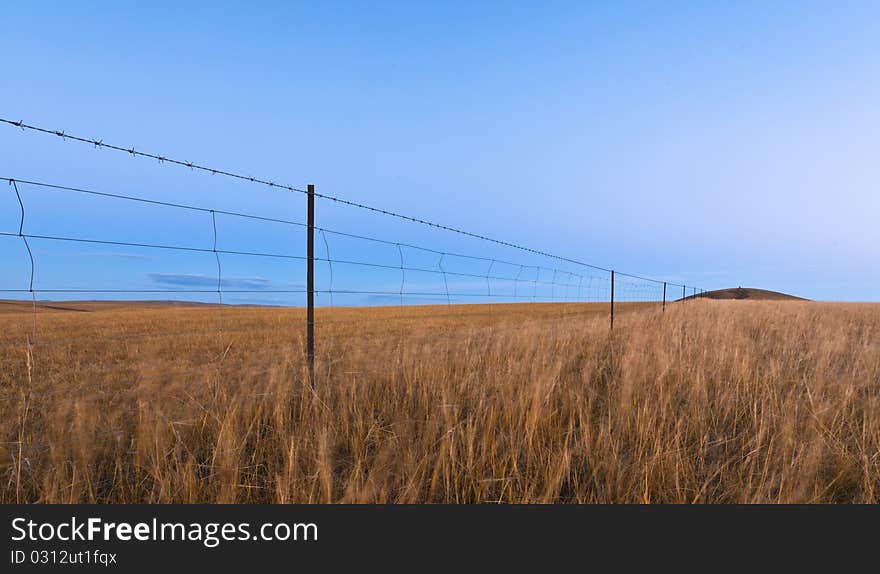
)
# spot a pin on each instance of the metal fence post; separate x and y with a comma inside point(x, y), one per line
point(683, 294)
point(612, 299)
point(664, 295)
point(310, 284)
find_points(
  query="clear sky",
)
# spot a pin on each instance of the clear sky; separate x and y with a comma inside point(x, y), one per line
point(710, 143)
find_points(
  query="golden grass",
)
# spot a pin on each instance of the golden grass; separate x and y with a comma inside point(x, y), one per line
point(709, 402)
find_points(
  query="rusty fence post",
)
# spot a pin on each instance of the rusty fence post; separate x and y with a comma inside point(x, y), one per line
point(612, 300)
point(310, 284)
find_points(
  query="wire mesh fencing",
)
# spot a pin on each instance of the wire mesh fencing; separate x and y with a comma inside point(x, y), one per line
point(323, 286)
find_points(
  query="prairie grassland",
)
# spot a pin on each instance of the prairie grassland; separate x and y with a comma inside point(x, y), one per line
point(708, 402)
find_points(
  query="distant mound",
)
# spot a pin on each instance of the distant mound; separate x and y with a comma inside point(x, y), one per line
point(749, 293)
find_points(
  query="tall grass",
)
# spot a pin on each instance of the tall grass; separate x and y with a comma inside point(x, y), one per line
point(707, 402)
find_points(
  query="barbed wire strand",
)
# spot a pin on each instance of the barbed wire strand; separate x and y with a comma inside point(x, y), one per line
point(214, 171)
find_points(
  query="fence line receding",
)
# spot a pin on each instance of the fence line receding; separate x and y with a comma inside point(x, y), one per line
point(405, 272)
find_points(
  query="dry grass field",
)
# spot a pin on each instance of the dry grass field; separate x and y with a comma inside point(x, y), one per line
point(711, 401)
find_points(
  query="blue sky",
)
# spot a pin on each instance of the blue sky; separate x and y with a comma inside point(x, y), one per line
point(710, 143)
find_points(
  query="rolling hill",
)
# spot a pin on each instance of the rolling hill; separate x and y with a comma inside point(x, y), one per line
point(749, 293)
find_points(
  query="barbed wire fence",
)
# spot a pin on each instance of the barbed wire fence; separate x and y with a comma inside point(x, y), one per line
point(423, 275)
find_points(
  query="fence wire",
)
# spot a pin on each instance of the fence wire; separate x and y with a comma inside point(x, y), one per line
point(411, 283)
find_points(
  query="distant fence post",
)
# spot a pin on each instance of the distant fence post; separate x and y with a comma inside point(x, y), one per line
point(683, 294)
point(664, 295)
point(612, 299)
point(310, 284)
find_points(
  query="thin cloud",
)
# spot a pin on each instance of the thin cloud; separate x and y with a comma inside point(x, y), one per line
point(193, 280)
point(113, 255)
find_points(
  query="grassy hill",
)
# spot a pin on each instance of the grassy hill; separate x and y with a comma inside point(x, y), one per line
point(749, 293)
